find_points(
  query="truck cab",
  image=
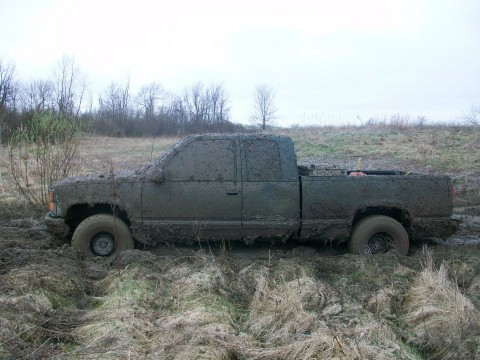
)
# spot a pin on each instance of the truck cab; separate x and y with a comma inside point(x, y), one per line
point(223, 187)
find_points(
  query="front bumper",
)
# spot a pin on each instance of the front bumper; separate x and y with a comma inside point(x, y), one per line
point(56, 226)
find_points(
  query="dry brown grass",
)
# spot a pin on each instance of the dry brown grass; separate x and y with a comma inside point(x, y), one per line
point(439, 317)
point(216, 306)
point(100, 153)
point(294, 315)
point(384, 302)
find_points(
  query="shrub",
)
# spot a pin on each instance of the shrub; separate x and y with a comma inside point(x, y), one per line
point(46, 151)
point(397, 122)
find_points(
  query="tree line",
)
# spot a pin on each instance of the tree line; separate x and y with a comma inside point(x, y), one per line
point(117, 111)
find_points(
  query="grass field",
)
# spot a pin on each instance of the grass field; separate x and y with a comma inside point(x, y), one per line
point(228, 301)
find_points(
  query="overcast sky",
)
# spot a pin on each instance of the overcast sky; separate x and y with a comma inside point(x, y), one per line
point(328, 61)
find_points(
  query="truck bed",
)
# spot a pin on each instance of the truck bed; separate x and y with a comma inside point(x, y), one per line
point(331, 204)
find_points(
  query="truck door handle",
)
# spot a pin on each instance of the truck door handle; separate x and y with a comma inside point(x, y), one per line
point(232, 193)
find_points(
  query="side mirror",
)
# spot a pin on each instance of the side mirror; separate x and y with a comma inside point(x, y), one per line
point(156, 175)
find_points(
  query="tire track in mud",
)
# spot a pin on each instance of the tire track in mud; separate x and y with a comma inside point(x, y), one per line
point(46, 292)
point(468, 232)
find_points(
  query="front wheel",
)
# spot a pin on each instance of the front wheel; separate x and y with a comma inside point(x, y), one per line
point(378, 234)
point(102, 235)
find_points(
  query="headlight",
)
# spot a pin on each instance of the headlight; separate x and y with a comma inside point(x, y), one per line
point(51, 200)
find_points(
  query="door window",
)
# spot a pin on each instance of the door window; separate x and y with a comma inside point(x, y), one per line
point(203, 160)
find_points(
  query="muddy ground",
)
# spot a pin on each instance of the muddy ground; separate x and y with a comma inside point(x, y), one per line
point(229, 301)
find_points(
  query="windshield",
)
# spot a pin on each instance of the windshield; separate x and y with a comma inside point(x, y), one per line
point(166, 155)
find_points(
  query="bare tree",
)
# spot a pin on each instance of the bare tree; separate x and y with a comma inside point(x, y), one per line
point(195, 103)
point(115, 105)
point(264, 109)
point(218, 104)
point(38, 96)
point(8, 86)
point(474, 117)
point(70, 86)
point(173, 114)
point(148, 98)
point(207, 108)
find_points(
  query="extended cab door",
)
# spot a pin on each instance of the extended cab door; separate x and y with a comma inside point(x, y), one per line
point(199, 197)
point(270, 188)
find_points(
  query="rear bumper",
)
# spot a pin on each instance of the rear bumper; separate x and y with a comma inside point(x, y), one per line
point(56, 226)
point(436, 227)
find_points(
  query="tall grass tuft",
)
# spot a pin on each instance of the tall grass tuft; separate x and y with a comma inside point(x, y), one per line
point(439, 317)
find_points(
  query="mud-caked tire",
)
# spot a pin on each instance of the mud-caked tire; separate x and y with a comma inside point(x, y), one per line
point(102, 235)
point(378, 228)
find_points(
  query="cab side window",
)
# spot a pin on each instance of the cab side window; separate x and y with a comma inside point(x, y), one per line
point(262, 160)
point(203, 160)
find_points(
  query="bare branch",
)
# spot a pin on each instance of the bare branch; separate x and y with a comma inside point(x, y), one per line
point(264, 109)
point(70, 85)
point(8, 86)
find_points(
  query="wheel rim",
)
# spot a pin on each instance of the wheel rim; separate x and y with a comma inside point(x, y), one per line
point(103, 244)
point(379, 243)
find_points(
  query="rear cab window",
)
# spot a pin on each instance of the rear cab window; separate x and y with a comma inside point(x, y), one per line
point(262, 160)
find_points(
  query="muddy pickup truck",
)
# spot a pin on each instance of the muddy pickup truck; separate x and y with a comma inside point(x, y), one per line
point(248, 188)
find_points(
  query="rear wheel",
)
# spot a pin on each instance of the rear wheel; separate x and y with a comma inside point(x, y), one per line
point(102, 235)
point(378, 234)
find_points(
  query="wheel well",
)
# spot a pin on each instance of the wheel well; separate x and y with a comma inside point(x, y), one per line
point(79, 212)
point(401, 215)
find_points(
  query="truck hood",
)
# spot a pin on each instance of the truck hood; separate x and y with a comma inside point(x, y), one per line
point(121, 176)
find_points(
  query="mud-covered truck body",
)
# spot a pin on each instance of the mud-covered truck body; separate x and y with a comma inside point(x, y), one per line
point(248, 187)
